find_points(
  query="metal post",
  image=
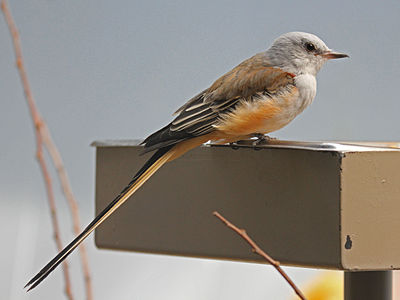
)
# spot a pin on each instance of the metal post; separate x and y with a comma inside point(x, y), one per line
point(369, 285)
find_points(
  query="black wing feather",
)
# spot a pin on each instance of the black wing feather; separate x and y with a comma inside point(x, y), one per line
point(196, 118)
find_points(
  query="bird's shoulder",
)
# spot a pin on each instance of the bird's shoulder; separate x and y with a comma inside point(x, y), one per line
point(252, 76)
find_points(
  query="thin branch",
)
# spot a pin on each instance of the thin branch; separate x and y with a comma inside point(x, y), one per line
point(53, 211)
point(37, 120)
point(73, 206)
point(255, 248)
point(43, 138)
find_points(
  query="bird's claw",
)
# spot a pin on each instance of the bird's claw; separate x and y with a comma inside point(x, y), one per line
point(234, 146)
point(261, 139)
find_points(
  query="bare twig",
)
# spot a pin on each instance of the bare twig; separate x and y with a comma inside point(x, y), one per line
point(43, 138)
point(242, 233)
point(37, 120)
point(53, 211)
point(62, 174)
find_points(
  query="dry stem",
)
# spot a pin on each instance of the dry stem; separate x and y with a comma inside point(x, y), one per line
point(43, 138)
point(242, 233)
point(63, 177)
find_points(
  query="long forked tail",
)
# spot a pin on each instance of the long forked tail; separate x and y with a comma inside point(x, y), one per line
point(150, 167)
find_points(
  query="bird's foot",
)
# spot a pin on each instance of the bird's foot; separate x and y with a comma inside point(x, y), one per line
point(234, 145)
point(261, 139)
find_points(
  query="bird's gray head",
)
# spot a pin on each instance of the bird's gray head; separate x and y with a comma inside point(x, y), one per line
point(300, 53)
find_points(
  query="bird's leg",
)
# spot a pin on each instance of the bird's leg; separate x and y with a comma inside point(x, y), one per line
point(261, 139)
point(234, 145)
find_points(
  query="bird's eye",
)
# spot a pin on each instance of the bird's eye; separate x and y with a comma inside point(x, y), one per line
point(310, 47)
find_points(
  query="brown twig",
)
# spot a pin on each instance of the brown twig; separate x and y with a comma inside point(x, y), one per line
point(259, 251)
point(53, 211)
point(43, 138)
point(66, 187)
point(38, 122)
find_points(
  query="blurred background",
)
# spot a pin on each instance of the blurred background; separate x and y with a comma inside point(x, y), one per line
point(118, 70)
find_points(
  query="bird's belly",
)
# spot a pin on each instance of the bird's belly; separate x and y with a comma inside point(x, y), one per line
point(264, 115)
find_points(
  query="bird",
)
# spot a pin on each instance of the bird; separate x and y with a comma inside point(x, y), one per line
point(260, 95)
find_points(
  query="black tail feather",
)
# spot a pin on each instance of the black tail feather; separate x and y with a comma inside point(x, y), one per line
point(59, 258)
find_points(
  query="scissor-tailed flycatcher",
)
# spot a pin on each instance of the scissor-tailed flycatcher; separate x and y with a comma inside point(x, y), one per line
point(261, 95)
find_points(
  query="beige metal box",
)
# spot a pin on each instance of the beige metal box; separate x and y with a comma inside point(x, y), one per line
point(308, 204)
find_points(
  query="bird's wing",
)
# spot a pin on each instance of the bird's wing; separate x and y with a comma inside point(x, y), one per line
point(243, 83)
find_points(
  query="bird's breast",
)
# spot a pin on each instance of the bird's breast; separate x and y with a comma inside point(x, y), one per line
point(307, 87)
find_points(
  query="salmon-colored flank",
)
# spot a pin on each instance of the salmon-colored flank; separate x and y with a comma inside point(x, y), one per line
point(261, 116)
point(245, 119)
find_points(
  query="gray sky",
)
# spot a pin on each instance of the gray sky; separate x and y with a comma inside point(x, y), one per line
point(118, 69)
